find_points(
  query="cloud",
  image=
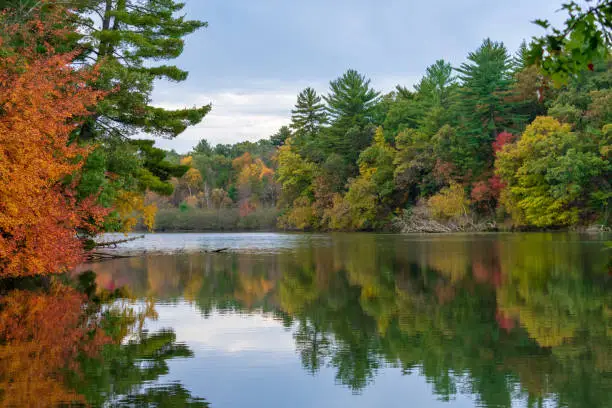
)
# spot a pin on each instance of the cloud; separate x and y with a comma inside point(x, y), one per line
point(225, 333)
point(237, 115)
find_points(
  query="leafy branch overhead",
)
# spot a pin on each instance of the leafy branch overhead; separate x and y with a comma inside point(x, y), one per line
point(585, 38)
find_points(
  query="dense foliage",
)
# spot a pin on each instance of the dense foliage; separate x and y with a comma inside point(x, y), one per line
point(494, 146)
point(75, 82)
point(486, 144)
point(42, 100)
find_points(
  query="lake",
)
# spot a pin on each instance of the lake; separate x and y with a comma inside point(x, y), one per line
point(320, 320)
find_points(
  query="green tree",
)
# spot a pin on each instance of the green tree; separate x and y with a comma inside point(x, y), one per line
point(485, 81)
point(436, 96)
point(351, 99)
point(279, 138)
point(308, 115)
point(127, 37)
point(203, 147)
point(436, 86)
point(414, 163)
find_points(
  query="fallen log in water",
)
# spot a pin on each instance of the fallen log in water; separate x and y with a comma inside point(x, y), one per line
point(115, 243)
point(216, 251)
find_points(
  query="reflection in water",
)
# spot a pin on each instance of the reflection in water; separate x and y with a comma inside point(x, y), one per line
point(58, 347)
point(502, 318)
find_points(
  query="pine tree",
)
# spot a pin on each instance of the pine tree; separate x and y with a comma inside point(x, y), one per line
point(278, 139)
point(351, 107)
point(437, 84)
point(309, 113)
point(351, 98)
point(127, 37)
point(521, 57)
point(486, 80)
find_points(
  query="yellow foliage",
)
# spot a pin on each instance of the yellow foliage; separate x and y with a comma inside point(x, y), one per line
point(148, 216)
point(245, 160)
point(546, 171)
point(130, 207)
point(193, 177)
point(265, 171)
point(449, 203)
point(187, 161)
point(301, 216)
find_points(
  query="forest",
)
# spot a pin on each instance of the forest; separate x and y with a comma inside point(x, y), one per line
point(509, 139)
point(488, 145)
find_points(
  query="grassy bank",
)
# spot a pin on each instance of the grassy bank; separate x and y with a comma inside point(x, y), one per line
point(228, 219)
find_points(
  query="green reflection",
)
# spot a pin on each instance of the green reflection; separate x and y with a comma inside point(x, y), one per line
point(497, 316)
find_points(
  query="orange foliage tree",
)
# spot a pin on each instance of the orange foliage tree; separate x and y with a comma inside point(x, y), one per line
point(43, 98)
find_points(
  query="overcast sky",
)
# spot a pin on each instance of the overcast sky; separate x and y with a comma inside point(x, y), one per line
point(256, 55)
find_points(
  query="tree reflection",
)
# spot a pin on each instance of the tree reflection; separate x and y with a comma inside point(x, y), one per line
point(42, 334)
point(64, 345)
point(518, 316)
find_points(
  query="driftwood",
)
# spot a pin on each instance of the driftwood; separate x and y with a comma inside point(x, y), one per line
point(420, 221)
point(96, 256)
point(216, 251)
point(115, 243)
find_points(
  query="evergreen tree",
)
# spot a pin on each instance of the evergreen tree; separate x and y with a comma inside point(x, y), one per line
point(351, 106)
point(127, 37)
point(203, 147)
point(521, 57)
point(485, 79)
point(435, 96)
point(279, 138)
point(436, 85)
point(309, 113)
point(351, 98)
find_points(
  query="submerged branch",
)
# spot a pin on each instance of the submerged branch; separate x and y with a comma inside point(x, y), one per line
point(115, 243)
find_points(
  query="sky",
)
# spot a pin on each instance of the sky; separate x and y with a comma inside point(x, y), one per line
point(257, 55)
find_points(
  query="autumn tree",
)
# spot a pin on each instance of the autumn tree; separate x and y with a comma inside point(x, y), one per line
point(549, 173)
point(43, 99)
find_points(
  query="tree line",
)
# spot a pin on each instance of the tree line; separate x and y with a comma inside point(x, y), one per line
point(492, 143)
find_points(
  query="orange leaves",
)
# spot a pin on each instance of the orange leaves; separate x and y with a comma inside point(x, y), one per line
point(39, 334)
point(42, 99)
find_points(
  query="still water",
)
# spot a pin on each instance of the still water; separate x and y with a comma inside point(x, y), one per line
point(297, 320)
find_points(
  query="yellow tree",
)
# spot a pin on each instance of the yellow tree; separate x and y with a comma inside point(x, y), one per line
point(549, 174)
point(193, 180)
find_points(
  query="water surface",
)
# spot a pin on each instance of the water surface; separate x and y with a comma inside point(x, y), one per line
point(342, 320)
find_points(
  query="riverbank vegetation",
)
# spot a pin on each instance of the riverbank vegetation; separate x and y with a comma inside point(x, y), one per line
point(520, 139)
point(491, 144)
point(496, 142)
